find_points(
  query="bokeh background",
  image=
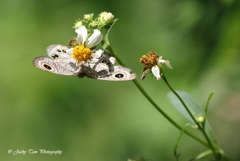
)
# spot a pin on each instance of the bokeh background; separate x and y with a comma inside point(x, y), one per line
point(94, 120)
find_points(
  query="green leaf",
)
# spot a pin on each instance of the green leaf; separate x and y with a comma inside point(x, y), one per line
point(202, 155)
point(209, 132)
point(197, 112)
point(191, 103)
point(208, 101)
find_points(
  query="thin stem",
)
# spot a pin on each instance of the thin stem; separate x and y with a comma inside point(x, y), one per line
point(109, 48)
point(155, 105)
point(164, 114)
point(217, 154)
point(180, 99)
point(198, 124)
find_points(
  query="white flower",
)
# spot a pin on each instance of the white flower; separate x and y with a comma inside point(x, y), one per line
point(92, 41)
point(82, 52)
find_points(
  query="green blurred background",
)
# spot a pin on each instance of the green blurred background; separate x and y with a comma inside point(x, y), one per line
point(92, 120)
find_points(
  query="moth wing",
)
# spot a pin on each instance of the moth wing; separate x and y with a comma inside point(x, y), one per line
point(109, 57)
point(102, 61)
point(101, 67)
point(119, 73)
point(57, 51)
point(52, 66)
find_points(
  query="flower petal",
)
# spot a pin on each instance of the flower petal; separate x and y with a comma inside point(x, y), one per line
point(82, 35)
point(145, 71)
point(97, 53)
point(69, 51)
point(94, 39)
point(169, 65)
point(156, 72)
point(161, 61)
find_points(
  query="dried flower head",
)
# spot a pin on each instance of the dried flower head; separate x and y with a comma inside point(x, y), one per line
point(154, 63)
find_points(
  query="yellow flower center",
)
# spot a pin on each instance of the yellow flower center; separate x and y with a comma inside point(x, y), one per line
point(81, 53)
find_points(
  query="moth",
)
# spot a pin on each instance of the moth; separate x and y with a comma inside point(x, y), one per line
point(102, 67)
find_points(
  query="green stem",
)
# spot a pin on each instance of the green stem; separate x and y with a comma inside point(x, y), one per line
point(183, 103)
point(215, 151)
point(155, 105)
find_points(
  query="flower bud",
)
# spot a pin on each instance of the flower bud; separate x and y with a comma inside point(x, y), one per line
point(88, 17)
point(78, 24)
point(106, 17)
point(200, 118)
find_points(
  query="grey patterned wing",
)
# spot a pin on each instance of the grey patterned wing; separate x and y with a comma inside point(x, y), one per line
point(55, 67)
point(119, 73)
point(57, 51)
point(101, 67)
